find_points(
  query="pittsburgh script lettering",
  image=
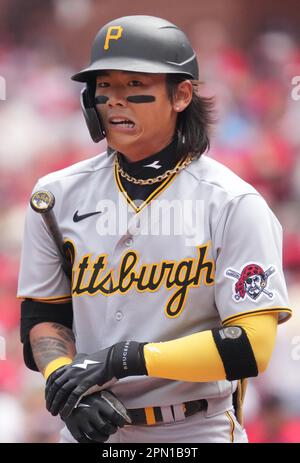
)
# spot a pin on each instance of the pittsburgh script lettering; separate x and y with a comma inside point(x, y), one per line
point(91, 276)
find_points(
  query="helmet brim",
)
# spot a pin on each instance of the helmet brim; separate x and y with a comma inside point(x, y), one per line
point(134, 65)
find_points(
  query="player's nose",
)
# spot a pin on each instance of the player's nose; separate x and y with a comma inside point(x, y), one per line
point(116, 100)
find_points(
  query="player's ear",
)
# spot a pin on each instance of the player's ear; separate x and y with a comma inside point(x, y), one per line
point(183, 95)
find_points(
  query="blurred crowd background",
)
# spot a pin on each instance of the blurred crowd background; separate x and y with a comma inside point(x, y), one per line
point(249, 56)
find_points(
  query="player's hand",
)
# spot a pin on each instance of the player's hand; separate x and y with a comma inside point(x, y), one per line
point(66, 385)
point(96, 417)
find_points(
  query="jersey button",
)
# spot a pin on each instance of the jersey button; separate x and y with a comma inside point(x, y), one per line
point(119, 316)
point(128, 241)
point(134, 226)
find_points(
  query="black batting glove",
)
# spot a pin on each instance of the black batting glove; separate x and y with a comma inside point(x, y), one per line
point(66, 385)
point(96, 417)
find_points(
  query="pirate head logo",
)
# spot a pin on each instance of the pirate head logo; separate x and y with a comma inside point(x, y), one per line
point(251, 282)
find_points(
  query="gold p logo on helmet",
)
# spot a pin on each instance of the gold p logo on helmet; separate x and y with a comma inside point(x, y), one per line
point(112, 36)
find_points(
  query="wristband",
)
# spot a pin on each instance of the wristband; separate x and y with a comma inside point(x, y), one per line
point(55, 364)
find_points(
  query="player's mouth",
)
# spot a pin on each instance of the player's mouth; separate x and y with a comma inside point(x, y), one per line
point(122, 124)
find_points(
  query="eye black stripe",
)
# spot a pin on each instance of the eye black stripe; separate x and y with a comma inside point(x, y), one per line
point(101, 99)
point(141, 99)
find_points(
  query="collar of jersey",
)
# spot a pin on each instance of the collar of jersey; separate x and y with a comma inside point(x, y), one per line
point(158, 189)
point(166, 158)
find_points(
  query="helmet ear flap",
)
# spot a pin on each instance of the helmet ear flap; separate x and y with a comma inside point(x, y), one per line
point(91, 115)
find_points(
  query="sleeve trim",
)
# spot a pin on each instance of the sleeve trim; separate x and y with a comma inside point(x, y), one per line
point(265, 310)
point(54, 299)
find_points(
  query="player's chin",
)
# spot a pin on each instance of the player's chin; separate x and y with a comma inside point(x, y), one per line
point(119, 137)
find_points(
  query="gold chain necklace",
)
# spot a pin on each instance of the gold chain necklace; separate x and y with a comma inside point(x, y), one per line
point(159, 178)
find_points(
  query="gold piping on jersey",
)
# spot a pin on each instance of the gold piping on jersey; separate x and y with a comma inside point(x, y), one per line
point(232, 426)
point(52, 300)
point(92, 277)
point(259, 312)
point(152, 195)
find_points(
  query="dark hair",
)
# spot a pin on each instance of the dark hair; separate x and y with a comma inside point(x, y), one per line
point(193, 124)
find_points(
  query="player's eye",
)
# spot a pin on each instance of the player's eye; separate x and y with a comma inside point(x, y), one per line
point(102, 84)
point(135, 83)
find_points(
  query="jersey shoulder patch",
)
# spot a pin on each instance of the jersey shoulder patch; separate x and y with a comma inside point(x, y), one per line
point(251, 282)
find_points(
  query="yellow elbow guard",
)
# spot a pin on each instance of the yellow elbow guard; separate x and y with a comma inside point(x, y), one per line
point(55, 364)
point(232, 352)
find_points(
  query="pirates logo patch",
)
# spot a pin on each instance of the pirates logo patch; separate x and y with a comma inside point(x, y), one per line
point(251, 282)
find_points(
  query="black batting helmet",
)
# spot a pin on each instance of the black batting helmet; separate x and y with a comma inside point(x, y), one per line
point(134, 43)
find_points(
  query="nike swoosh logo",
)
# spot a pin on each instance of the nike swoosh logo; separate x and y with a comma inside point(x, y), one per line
point(77, 218)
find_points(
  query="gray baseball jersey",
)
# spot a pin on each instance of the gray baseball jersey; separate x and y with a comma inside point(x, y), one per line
point(203, 249)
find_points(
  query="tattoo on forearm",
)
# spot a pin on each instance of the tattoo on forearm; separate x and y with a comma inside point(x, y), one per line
point(64, 332)
point(60, 343)
point(46, 349)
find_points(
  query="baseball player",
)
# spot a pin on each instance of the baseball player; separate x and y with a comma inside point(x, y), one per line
point(152, 338)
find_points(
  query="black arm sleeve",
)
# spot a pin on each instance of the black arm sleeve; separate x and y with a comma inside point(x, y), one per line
point(34, 312)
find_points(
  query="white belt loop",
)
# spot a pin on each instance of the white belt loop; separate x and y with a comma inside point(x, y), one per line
point(178, 412)
point(167, 415)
